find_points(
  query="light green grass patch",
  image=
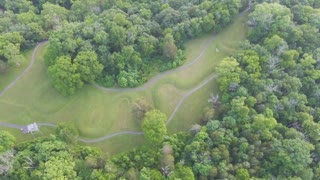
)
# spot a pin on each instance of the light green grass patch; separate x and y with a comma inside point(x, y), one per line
point(118, 144)
point(7, 77)
point(96, 113)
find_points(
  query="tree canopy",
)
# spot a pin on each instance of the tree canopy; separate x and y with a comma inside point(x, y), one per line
point(265, 126)
point(154, 127)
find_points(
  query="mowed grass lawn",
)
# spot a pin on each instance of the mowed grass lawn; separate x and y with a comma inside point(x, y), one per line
point(96, 113)
point(8, 76)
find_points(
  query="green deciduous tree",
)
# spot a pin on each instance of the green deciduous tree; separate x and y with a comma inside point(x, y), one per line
point(6, 141)
point(169, 48)
point(183, 172)
point(229, 72)
point(53, 15)
point(58, 168)
point(87, 65)
point(242, 174)
point(66, 78)
point(268, 19)
point(154, 127)
point(291, 156)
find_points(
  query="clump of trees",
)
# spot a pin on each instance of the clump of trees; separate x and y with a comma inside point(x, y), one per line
point(268, 126)
point(154, 127)
point(131, 39)
point(68, 76)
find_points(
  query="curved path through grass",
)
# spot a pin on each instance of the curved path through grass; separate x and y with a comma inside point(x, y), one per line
point(141, 88)
point(25, 71)
point(145, 86)
point(160, 75)
point(108, 136)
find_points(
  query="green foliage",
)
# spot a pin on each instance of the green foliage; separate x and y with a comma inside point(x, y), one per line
point(140, 108)
point(229, 72)
point(43, 159)
point(88, 65)
point(131, 40)
point(66, 133)
point(242, 174)
point(183, 172)
point(58, 168)
point(125, 39)
point(6, 141)
point(154, 127)
point(292, 155)
point(53, 15)
point(69, 76)
point(66, 78)
point(169, 47)
point(268, 19)
point(268, 126)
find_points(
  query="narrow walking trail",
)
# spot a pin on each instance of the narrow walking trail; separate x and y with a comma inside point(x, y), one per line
point(141, 88)
point(25, 71)
point(163, 74)
point(108, 136)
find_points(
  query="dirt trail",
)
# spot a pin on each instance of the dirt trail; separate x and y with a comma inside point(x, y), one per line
point(141, 88)
point(108, 136)
point(160, 75)
point(25, 71)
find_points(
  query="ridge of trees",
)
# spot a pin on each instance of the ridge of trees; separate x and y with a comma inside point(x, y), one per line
point(131, 39)
point(265, 123)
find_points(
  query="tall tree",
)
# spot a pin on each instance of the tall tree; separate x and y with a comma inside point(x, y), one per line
point(154, 127)
point(169, 47)
point(6, 141)
point(87, 65)
point(66, 78)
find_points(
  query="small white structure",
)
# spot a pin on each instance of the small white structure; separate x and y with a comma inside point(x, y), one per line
point(30, 128)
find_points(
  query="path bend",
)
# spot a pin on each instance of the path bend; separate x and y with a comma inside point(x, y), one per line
point(108, 136)
point(143, 87)
point(153, 80)
point(24, 71)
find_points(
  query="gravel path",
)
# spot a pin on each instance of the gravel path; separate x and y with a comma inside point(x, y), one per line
point(160, 75)
point(188, 94)
point(25, 71)
point(15, 126)
point(141, 88)
point(108, 136)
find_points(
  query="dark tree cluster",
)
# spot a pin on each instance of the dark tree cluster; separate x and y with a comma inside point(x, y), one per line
point(130, 39)
point(266, 127)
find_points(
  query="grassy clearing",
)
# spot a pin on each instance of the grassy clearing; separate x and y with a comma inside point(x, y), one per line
point(120, 143)
point(96, 113)
point(191, 110)
point(7, 77)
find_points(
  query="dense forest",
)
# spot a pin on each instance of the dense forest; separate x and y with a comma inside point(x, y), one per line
point(266, 122)
point(113, 43)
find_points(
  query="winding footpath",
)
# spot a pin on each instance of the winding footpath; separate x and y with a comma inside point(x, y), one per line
point(141, 88)
point(160, 75)
point(25, 71)
point(108, 136)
